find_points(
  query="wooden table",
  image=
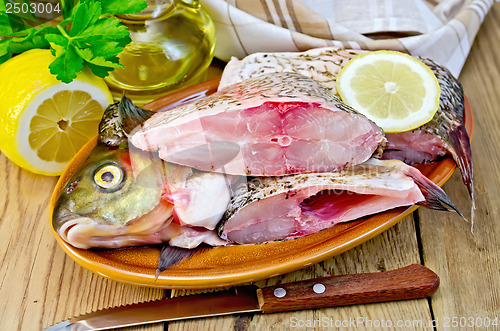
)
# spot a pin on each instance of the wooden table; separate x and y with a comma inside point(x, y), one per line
point(40, 285)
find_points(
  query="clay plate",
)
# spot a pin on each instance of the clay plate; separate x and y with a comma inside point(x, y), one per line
point(225, 266)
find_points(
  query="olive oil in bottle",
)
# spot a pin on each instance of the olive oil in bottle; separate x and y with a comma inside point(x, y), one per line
point(172, 45)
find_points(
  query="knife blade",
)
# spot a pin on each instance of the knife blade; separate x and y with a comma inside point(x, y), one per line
point(411, 282)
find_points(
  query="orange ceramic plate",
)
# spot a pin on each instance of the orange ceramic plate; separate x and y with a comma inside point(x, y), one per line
point(224, 266)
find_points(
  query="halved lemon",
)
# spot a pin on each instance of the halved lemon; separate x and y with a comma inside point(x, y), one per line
point(395, 90)
point(44, 122)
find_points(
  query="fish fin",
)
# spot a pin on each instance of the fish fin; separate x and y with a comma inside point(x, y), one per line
point(110, 129)
point(435, 197)
point(170, 256)
point(118, 120)
point(462, 155)
point(131, 115)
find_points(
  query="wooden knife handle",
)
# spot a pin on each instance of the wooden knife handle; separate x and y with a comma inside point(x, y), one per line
point(411, 282)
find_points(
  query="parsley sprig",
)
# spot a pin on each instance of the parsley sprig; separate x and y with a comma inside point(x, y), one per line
point(88, 35)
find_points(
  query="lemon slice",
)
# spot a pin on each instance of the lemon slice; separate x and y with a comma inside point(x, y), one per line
point(44, 122)
point(395, 90)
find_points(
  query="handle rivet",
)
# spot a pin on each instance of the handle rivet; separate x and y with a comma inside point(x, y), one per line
point(279, 292)
point(319, 288)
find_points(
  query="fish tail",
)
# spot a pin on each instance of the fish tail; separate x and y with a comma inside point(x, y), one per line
point(435, 197)
point(170, 256)
point(461, 152)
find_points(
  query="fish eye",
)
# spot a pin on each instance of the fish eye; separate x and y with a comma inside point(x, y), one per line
point(108, 176)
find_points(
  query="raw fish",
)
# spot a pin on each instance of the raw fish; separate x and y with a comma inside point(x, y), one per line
point(444, 134)
point(271, 125)
point(274, 208)
point(121, 196)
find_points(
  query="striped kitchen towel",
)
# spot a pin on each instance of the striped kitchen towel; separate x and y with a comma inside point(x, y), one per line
point(442, 30)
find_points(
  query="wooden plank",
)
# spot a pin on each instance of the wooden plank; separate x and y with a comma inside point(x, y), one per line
point(39, 283)
point(393, 249)
point(467, 263)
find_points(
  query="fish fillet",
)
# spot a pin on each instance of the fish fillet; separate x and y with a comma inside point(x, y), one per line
point(275, 208)
point(271, 125)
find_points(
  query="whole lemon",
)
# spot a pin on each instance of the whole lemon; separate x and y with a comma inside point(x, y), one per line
point(44, 122)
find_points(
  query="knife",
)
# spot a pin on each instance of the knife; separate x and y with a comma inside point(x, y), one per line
point(411, 282)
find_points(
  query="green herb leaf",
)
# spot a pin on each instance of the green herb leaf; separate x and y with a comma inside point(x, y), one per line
point(84, 37)
point(5, 54)
point(58, 44)
point(35, 38)
point(98, 41)
point(5, 28)
point(101, 47)
point(25, 15)
point(116, 7)
point(66, 64)
point(99, 71)
point(87, 55)
point(67, 8)
point(16, 22)
point(108, 28)
point(4, 47)
point(10, 24)
point(84, 16)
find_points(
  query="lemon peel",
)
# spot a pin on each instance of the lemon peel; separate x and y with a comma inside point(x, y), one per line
point(44, 122)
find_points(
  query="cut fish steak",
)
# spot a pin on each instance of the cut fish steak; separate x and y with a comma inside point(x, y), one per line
point(271, 125)
point(444, 134)
point(273, 208)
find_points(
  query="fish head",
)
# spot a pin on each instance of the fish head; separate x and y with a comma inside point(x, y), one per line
point(110, 195)
point(113, 199)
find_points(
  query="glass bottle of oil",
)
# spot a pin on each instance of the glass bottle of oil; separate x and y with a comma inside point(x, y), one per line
point(172, 45)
